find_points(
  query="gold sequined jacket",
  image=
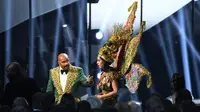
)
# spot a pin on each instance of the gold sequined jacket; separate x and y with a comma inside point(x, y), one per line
point(75, 79)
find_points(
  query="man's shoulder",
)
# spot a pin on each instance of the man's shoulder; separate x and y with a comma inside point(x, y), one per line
point(76, 68)
point(54, 69)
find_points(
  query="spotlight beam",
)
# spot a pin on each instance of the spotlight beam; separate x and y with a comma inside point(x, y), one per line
point(192, 34)
point(191, 46)
point(167, 62)
point(67, 32)
point(81, 35)
point(8, 35)
point(31, 39)
point(184, 51)
point(171, 53)
point(56, 42)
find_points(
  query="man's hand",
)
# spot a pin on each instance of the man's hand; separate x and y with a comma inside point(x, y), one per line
point(90, 79)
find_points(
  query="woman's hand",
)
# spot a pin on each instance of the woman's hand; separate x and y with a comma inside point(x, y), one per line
point(110, 94)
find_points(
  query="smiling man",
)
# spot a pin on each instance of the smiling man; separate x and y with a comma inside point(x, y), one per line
point(67, 78)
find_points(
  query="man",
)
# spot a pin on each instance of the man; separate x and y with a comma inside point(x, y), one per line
point(67, 79)
point(19, 85)
point(177, 85)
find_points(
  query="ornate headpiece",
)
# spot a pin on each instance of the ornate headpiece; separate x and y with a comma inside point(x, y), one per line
point(121, 49)
point(120, 35)
point(109, 50)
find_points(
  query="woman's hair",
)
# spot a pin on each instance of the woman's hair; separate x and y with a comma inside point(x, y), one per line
point(13, 71)
point(106, 62)
point(106, 65)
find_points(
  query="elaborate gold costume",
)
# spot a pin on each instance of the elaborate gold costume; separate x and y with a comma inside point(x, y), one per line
point(105, 82)
point(121, 49)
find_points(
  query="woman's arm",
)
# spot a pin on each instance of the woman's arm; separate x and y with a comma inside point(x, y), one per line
point(110, 94)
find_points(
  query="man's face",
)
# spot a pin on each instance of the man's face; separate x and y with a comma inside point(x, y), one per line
point(64, 62)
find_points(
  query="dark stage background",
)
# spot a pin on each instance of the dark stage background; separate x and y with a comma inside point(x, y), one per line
point(150, 52)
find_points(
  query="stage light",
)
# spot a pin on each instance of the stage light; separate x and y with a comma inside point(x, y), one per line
point(96, 36)
point(64, 25)
point(99, 35)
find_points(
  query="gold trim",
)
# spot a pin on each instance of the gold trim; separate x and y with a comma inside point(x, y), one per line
point(131, 17)
point(56, 80)
point(71, 77)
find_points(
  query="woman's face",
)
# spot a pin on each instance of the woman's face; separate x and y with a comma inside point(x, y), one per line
point(100, 63)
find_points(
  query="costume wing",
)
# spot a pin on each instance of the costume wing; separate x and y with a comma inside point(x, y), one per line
point(131, 50)
point(126, 35)
point(122, 48)
point(135, 75)
point(133, 79)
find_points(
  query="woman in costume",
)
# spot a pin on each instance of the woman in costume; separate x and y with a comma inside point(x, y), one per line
point(115, 59)
point(108, 83)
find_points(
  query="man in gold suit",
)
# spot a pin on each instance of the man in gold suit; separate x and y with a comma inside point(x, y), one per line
point(67, 78)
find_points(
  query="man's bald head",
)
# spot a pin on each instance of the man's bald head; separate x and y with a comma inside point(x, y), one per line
point(63, 55)
point(63, 61)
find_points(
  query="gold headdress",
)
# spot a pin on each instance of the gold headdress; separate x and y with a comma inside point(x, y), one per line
point(120, 35)
point(110, 48)
point(122, 47)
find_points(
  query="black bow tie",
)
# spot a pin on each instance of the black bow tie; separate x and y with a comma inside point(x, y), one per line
point(62, 71)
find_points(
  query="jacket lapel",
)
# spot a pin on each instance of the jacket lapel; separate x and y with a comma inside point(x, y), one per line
point(71, 78)
point(56, 80)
